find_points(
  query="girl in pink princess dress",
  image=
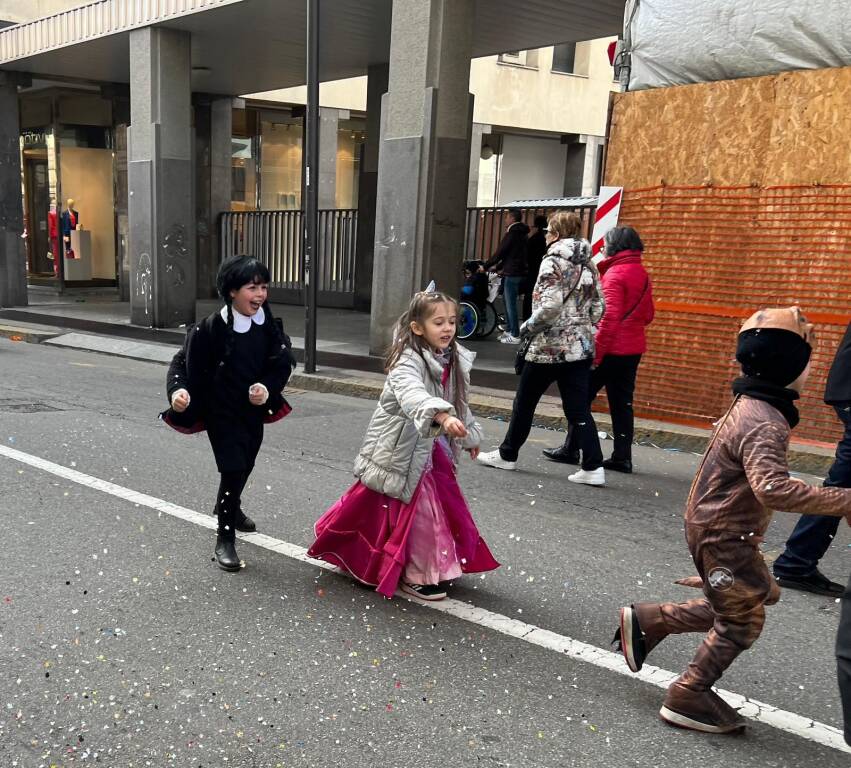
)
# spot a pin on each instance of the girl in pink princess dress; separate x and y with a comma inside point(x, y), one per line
point(405, 519)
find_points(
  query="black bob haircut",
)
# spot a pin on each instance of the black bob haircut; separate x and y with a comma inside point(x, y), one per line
point(236, 271)
point(622, 239)
point(472, 266)
point(515, 214)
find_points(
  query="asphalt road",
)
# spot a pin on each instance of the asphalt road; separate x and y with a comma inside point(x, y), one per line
point(121, 643)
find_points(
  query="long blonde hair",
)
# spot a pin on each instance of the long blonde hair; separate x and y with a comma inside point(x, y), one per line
point(421, 308)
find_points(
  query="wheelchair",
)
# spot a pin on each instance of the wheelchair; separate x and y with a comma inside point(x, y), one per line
point(476, 321)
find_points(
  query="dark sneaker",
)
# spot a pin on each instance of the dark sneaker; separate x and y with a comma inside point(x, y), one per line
point(425, 591)
point(641, 629)
point(629, 640)
point(619, 465)
point(245, 524)
point(562, 455)
point(816, 582)
point(702, 711)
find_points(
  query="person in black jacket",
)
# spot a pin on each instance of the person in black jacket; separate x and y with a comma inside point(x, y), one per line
point(510, 260)
point(536, 249)
point(797, 567)
point(228, 379)
point(843, 659)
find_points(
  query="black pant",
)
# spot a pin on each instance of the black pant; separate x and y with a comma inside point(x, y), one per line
point(813, 533)
point(572, 380)
point(617, 374)
point(843, 658)
point(526, 308)
point(228, 508)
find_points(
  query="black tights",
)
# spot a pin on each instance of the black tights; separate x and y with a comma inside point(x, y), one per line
point(228, 502)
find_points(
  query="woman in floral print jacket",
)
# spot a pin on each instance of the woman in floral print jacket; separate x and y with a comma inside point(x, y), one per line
point(567, 303)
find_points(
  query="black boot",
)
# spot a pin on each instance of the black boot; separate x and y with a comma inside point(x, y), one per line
point(562, 455)
point(245, 524)
point(619, 465)
point(226, 556)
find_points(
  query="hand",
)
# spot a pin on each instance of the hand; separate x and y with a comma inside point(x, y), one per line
point(258, 394)
point(474, 453)
point(180, 400)
point(451, 425)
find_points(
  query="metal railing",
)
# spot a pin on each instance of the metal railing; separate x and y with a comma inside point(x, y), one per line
point(275, 237)
point(486, 226)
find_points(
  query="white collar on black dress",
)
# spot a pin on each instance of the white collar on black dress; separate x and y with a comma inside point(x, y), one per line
point(242, 323)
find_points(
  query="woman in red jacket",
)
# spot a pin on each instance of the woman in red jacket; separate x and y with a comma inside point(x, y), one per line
point(619, 344)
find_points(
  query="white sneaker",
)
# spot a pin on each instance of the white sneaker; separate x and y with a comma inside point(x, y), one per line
point(507, 338)
point(589, 477)
point(493, 459)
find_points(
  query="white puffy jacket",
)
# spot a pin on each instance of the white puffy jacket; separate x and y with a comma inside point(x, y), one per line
point(401, 433)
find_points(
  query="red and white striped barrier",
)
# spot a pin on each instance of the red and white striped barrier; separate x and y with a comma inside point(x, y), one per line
point(606, 217)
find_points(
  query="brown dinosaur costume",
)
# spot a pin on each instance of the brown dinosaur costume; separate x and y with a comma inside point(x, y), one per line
point(743, 477)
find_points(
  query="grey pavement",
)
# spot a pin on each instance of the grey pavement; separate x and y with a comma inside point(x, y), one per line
point(119, 637)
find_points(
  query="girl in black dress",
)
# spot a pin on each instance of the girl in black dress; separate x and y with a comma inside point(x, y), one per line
point(228, 379)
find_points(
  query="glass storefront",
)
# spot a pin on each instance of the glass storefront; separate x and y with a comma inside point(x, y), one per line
point(67, 186)
point(266, 160)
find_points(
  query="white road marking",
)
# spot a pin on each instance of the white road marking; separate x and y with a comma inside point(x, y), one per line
point(792, 723)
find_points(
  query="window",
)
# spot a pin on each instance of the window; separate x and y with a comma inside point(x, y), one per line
point(512, 57)
point(564, 58)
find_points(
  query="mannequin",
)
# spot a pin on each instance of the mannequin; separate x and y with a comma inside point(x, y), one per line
point(53, 234)
point(69, 220)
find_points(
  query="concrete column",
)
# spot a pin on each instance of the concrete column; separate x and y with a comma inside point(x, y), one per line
point(13, 259)
point(163, 272)
point(329, 120)
point(376, 87)
point(213, 132)
point(424, 160)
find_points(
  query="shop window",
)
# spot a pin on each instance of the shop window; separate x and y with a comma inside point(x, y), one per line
point(243, 174)
point(281, 163)
point(351, 135)
point(564, 58)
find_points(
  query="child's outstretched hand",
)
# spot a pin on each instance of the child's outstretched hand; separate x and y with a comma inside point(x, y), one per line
point(474, 452)
point(258, 394)
point(451, 425)
point(180, 400)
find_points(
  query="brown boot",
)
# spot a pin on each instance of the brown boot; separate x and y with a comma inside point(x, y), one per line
point(641, 630)
point(700, 711)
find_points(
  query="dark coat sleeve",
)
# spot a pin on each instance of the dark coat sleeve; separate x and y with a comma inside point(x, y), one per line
point(190, 369)
point(838, 390)
point(280, 363)
point(501, 251)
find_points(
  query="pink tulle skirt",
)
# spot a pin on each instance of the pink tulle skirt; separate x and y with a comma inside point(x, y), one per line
point(380, 540)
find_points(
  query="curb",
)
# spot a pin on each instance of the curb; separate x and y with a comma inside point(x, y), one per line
point(671, 437)
point(802, 458)
point(28, 335)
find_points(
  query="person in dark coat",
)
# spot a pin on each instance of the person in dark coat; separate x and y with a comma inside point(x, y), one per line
point(797, 567)
point(510, 260)
point(536, 249)
point(843, 659)
point(620, 342)
point(228, 379)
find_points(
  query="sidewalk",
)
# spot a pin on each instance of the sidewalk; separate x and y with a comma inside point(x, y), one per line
point(97, 323)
